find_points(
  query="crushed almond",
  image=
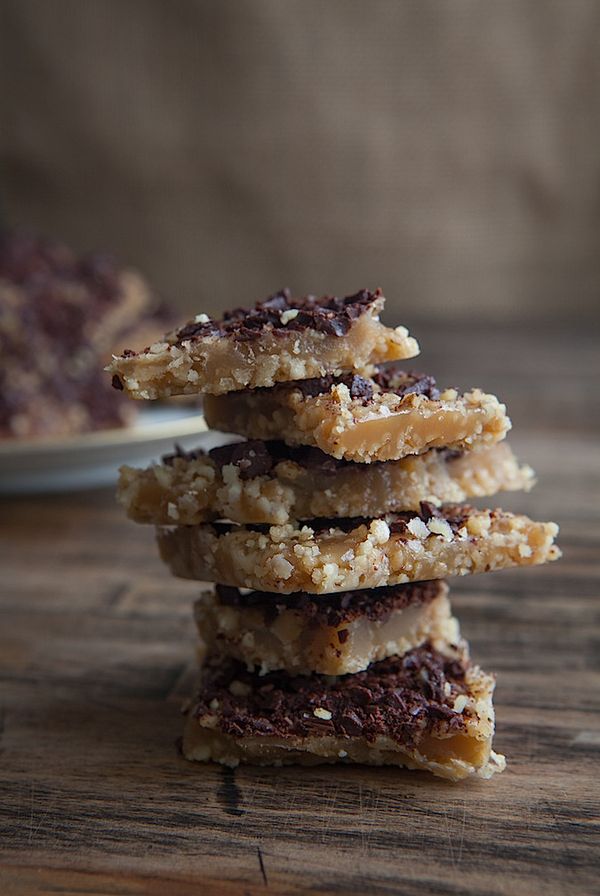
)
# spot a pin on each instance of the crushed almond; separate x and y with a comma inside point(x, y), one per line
point(440, 527)
point(417, 527)
point(460, 703)
point(286, 316)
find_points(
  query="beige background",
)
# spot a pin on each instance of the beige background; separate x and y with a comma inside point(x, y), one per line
point(447, 150)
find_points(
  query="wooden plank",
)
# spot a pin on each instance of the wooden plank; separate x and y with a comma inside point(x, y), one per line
point(97, 653)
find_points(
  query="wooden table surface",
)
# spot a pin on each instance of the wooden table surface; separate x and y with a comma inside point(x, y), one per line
point(96, 655)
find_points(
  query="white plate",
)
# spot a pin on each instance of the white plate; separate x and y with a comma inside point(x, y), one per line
point(93, 459)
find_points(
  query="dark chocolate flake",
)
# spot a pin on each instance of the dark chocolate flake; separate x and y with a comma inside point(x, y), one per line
point(391, 379)
point(330, 315)
point(375, 604)
point(194, 330)
point(351, 724)
point(401, 382)
point(279, 301)
point(401, 697)
point(361, 388)
point(180, 454)
point(332, 324)
point(252, 458)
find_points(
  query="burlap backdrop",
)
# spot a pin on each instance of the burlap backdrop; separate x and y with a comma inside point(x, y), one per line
point(445, 149)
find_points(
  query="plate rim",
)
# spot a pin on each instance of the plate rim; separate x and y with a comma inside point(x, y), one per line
point(145, 431)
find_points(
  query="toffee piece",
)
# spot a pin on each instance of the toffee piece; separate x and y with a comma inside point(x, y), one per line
point(337, 635)
point(280, 339)
point(428, 710)
point(385, 417)
point(60, 315)
point(325, 556)
point(269, 482)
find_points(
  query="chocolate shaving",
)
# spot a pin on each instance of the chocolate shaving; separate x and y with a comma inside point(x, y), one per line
point(401, 382)
point(404, 698)
point(391, 379)
point(312, 459)
point(360, 388)
point(252, 458)
point(276, 451)
point(375, 604)
point(454, 514)
point(330, 315)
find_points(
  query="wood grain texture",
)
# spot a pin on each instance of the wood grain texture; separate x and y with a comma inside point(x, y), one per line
point(97, 654)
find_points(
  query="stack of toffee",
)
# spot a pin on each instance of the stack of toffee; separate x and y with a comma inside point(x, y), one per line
point(329, 531)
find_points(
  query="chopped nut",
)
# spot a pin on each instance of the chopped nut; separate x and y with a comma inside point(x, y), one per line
point(460, 703)
point(440, 527)
point(282, 567)
point(288, 315)
point(478, 524)
point(327, 337)
point(379, 531)
point(247, 640)
point(239, 689)
point(321, 713)
point(418, 527)
point(209, 721)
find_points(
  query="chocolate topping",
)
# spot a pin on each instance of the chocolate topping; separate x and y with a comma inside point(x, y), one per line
point(252, 458)
point(404, 698)
point(454, 514)
point(358, 386)
point(257, 458)
point(401, 382)
point(389, 379)
point(271, 453)
point(334, 610)
point(329, 314)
